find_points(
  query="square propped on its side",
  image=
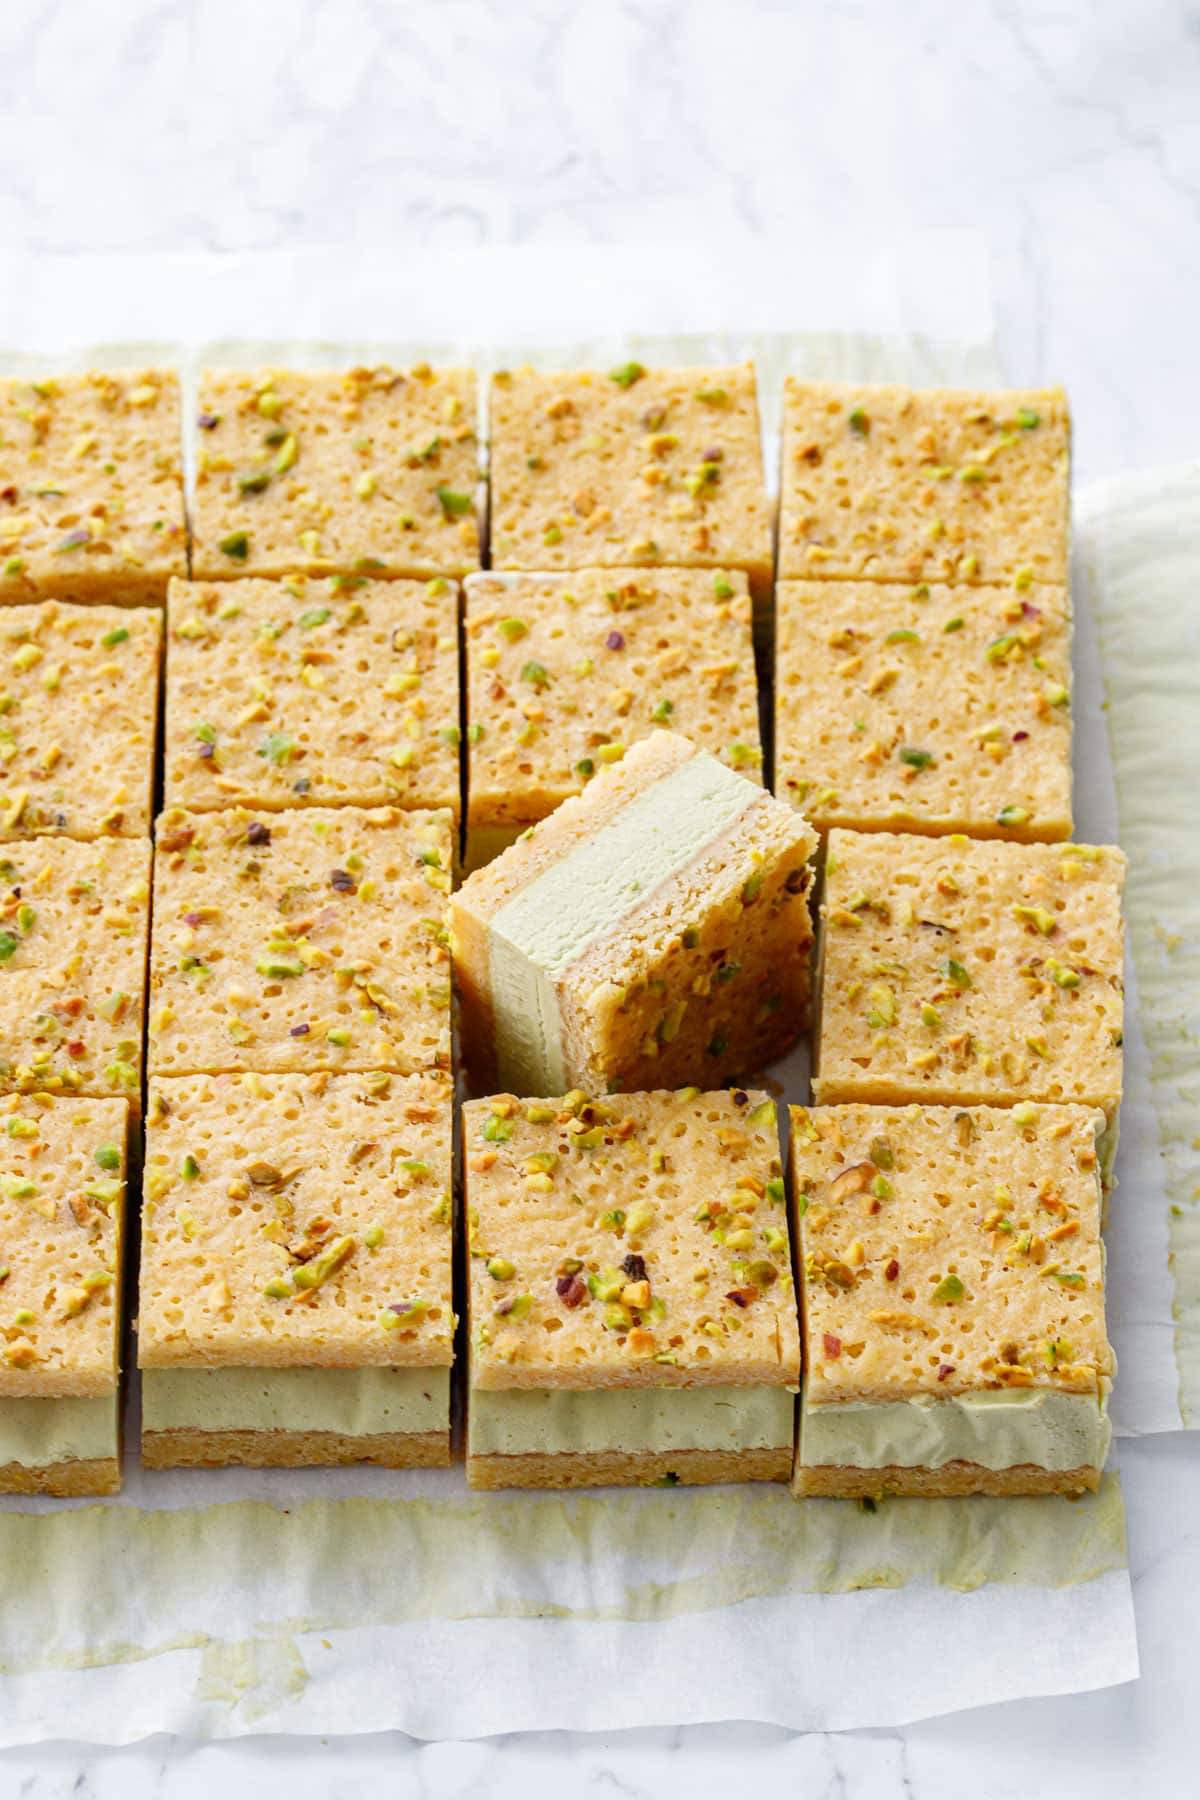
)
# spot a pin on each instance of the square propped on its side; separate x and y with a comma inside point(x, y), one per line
point(632, 1308)
point(74, 926)
point(295, 1301)
point(952, 1300)
point(654, 931)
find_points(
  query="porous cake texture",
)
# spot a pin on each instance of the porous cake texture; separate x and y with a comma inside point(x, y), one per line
point(367, 471)
point(78, 720)
point(924, 484)
point(300, 940)
point(922, 707)
point(632, 1311)
point(653, 931)
point(952, 1299)
point(299, 1228)
point(966, 972)
point(311, 692)
point(565, 672)
point(62, 1201)
point(91, 487)
point(74, 925)
point(629, 467)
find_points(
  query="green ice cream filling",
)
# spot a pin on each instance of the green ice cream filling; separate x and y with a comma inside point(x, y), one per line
point(352, 1402)
point(38, 1433)
point(546, 1421)
point(548, 925)
point(996, 1429)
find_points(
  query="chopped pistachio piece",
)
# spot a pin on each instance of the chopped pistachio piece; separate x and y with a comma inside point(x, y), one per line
point(454, 505)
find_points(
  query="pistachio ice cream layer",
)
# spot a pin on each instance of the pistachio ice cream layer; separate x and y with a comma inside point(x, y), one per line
point(351, 1402)
point(38, 1433)
point(995, 1429)
point(549, 1421)
point(548, 925)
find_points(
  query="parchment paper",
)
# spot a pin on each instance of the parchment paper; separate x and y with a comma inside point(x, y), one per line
point(1139, 540)
point(342, 1601)
point(455, 1615)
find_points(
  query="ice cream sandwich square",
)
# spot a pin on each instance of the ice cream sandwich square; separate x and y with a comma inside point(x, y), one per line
point(91, 487)
point(306, 692)
point(308, 939)
point(924, 484)
point(295, 1299)
point(952, 1300)
point(961, 972)
point(365, 471)
point(633, 467)
point(78, 720)
point(62, 1219)
point(632, 1309)
point(925, 708)
point(565, 672)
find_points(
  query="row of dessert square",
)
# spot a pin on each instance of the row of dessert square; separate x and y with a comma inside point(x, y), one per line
point(376, 470)
point(303, 905)
point(950, 969)
point(921, 708)
point(296, 940)
point(633, 1314)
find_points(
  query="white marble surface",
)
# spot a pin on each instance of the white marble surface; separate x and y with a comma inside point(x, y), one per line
point(1067, 131)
